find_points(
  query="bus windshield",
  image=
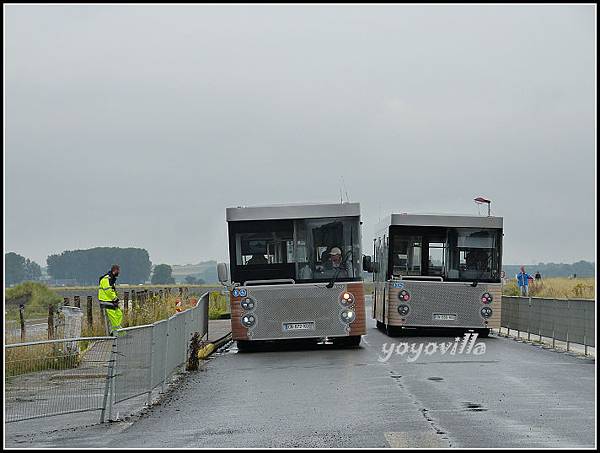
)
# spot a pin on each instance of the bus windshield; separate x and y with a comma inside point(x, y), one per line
point(306, 250)
point(454, 254)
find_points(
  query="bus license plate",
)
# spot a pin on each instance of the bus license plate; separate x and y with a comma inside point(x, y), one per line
point(287, 326)
point(443, 317)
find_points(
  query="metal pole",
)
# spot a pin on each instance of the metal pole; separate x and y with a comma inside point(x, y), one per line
point(107, 386)
point(166, 355)
point(152, 352)
point(569, 322)
point(529, 320)
point(554, 326)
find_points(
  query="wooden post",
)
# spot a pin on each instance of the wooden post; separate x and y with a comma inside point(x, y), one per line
point(22, 319)
point(50, 322)
point(77, 301)
point(126, 302)
point(90, 311)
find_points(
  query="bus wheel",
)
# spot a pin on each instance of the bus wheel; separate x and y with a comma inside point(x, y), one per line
point(245, 346)
point(483, 333)
point(349, 342)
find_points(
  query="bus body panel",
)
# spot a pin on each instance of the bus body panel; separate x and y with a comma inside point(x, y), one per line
point(309, 304)
point(458, 300)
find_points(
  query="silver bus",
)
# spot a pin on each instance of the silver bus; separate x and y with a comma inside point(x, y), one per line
point(437, 271)
point(295, 273)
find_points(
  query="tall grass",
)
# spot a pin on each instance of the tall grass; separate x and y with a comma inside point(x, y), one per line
point(217, 305)
point(556, 288)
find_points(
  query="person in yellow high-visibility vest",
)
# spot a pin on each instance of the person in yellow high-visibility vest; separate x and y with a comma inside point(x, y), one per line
point(109, 299)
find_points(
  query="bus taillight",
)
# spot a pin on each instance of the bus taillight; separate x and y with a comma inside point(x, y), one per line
point(487, 298)
point(348, 316)
point(347, 299)
point(248, 320)
point(247, 304)
point(404, 295)
point(403, 310)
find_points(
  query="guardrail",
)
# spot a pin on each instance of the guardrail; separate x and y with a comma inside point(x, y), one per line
point(568, 320)
point(56, 377)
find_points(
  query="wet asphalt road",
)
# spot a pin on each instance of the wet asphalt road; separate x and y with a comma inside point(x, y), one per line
point(513, 395)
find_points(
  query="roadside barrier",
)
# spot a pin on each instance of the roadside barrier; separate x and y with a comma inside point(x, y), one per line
point(568, 320)
point(55, 377)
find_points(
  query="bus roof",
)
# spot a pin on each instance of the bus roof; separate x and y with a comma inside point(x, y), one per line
point(442, 220)
point(293, 211)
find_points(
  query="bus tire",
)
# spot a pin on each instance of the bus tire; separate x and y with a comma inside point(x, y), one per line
point(349, 342)
point(483, 333)
point(245, 346)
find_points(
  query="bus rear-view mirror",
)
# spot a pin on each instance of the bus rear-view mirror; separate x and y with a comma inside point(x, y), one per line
point(223, 273)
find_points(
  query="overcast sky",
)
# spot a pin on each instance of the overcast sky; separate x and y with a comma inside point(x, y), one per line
point(139, 125)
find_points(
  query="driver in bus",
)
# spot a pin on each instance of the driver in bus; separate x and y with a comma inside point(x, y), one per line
point(338, 267)
point(257, 259)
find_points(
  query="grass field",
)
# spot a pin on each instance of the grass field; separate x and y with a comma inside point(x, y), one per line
point(557, 288)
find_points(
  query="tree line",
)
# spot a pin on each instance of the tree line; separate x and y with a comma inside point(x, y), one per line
point(86, 266)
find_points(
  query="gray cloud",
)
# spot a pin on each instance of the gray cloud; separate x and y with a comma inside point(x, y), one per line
point(138, 125)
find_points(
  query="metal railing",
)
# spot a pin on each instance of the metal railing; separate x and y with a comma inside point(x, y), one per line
point(570, 321)
point(56, 377)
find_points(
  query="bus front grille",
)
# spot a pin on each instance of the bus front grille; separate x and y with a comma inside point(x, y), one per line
point(313, 306)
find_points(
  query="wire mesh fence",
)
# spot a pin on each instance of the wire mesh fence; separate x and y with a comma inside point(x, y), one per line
point(55, 377)
point(71, 375)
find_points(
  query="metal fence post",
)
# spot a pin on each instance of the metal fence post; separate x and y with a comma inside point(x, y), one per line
point(152, 352)
point(569, 323)
point(529, 320)
point(554, 325)
point(108, 385)
point(164, 381)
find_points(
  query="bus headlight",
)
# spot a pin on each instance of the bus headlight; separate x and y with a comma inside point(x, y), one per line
point(348, 316)
point(248, 320)
point(247, 304)
point(404, 296)
point(403, 310)
point(486, 312)
point(487, 298)
point(347, 299)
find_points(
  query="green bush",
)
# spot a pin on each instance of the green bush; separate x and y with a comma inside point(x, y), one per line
point(37, 297)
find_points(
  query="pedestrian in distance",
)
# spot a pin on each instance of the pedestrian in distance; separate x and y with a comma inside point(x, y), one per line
point(523, 282)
